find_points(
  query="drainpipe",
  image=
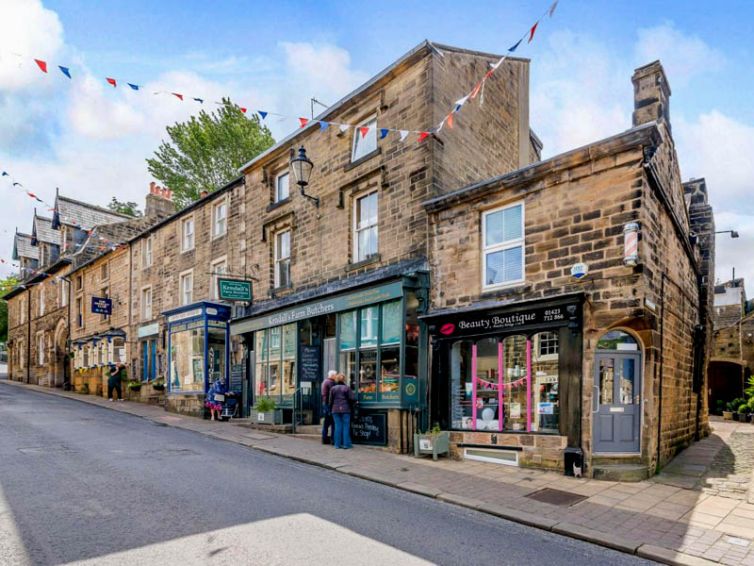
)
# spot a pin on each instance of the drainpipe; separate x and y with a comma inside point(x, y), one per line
point(662, 364)
point(28, 336)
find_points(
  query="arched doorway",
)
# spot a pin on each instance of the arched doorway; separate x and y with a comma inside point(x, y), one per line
point(616, 395)
point(59, 351)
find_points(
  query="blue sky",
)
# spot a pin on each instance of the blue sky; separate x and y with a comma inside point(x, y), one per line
point(91, 141)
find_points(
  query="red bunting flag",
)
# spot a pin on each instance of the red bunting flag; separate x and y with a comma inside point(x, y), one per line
point(111, 81)
point(488, 74)
point(303, 121)
point(364, 131)
point(178, 96)
point(476, 90)
point(450, 120)
point(242, 109)
point(423, 136)
point(32, 195)
point(41, 64)
point(532, 31)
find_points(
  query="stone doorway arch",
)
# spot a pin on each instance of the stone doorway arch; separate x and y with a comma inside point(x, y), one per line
point(59, 375)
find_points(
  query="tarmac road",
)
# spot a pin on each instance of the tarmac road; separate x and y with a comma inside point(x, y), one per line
point(82, 484)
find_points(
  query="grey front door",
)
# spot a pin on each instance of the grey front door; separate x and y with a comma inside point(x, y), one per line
point(616, 402)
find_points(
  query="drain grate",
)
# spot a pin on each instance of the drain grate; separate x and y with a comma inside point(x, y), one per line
point(556, 497)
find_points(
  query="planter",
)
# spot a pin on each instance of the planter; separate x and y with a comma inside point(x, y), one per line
point(737, 417)
point(274, 417)
point(158, 386)
point(727, 415)
point(434, 444)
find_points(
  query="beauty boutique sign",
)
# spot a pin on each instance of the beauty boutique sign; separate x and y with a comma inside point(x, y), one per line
point(488, 321)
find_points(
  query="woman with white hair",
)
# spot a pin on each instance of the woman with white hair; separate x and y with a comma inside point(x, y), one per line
point(328, 424)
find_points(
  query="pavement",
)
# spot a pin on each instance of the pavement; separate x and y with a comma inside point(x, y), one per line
point(669, 519)
point(81, 484)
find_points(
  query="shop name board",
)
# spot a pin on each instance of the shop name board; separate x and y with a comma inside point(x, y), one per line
point(486, 322)
point(148, 330)
point(336, 304)
point(234, 290)
point(184, 315)
point(102, 305)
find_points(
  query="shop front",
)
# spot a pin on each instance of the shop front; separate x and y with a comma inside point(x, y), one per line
point(92, 358)
point(197, 354)
point(372, 335)
point(506, 381)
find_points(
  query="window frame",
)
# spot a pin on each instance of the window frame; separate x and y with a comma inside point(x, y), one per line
point(355, 225)
point(144, 315)
point(222, 202)
point(146, 252)
point(276, 197)
point(41, 300)
point(213, 278)
point(80, 312)
point(279, 260)
point(184, 223)
point(63, 293)
point(357, 138)
point(181, 293)
point(105, 271)
point(503, 246)
point(41, 345)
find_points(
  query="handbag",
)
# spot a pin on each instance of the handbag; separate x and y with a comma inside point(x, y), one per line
point(219, 398)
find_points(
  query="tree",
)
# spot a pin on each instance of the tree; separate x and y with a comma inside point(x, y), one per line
point(6, 285)
point(205, 152)
point(128, 208)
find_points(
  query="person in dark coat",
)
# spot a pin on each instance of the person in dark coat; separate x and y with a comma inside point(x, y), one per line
point(342, 399)
point(328, 425)
point(114, 378)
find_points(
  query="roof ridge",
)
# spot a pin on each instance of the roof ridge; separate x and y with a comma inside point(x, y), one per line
point(94, 206)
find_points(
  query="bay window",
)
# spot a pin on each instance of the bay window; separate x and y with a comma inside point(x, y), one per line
point(503, 246)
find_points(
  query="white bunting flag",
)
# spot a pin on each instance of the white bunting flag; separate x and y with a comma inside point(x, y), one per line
point(404, 135)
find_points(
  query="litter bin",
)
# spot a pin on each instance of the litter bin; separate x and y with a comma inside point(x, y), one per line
point(572, 457)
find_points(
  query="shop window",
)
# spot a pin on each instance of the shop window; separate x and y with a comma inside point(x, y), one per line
point(502, 385)
point(503, 246)
point(275, 350)
point(216, 349)
point(187, 360)
point(364, 143)
point(85, 355)
point(365, 222)
point(282, 186)
point(283, 259)
point(119, 350)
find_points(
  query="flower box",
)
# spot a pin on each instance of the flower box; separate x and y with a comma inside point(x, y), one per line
point(432, 443)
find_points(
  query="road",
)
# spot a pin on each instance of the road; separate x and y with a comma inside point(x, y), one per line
point(82, 484)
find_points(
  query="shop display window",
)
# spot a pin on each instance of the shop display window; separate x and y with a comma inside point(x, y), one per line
point(187, 360)
point(275, 350)
point(506, 384)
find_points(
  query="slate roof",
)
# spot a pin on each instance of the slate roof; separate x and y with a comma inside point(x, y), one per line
point(44, 233)
point(83, 215)
point(22, 247)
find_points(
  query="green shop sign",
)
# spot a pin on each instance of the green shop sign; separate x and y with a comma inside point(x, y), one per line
point(308, 310)
point(234, 290)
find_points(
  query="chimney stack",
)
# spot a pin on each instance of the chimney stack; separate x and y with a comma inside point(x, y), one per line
point(159, 202)
point(651, 95)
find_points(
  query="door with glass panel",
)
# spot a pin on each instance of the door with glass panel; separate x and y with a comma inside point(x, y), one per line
point(616, 402)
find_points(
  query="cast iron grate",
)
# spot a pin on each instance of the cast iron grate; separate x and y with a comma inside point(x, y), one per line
point(556, 497)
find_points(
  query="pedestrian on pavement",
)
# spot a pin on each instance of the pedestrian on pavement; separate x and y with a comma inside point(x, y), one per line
point(215, 398)
point(328, 424)
point(342, 399)
point(116, 374)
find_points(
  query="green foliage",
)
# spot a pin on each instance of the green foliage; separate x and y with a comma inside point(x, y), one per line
point(129, 208)
point(720, 406)
point(134, 385)
point(743, 408)
point(205, 152)
point(749, 390)
point(6, 285)
point(751, 405)
point(735, 404)
point(264, 405)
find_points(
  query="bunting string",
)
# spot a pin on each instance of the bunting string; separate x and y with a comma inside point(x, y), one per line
point(403, 133)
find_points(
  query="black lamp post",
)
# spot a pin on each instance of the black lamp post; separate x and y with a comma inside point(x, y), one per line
point(302, 170)
point(733, 233)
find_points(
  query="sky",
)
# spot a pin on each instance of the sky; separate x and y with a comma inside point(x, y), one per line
point(91, 140)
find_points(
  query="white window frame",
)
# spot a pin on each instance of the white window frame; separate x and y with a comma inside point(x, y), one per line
point(184, 235)
point(540, 355)
point(41, 345)
point(146, 252)
point(215, 275)
point(278, 177)
point(146, 313)
point(41, 300)
point(22, 313)
point(181, 287)
point(218, 223)
point(356, 230)
point(506, 245)
point(79, 312)
point(357, 138)
point(280, 260)
point(63, 293)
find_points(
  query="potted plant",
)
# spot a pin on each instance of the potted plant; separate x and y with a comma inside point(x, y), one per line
point(751, 409)
point(728, 412)
point(264, 412)
point(719, 407)
point(743, 413)
point(134, 386)
point(434, 441)
point(158, 384)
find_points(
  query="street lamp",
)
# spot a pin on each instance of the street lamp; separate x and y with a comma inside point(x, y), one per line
point(302, 170)
point(733, 233)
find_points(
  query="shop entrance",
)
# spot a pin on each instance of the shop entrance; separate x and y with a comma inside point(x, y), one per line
point(616, 398)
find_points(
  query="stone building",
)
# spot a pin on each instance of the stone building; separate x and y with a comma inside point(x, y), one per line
point(341, 271)
point(567, 304)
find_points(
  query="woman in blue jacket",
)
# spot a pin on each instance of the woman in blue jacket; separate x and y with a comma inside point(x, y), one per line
point(214, 404)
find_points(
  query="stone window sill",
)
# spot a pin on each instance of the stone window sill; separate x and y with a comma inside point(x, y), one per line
point(506, 291)
point(362, 159)
point(278, 204)
point(363, 263)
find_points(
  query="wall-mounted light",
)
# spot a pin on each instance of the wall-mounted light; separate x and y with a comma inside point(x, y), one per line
point(302, 170)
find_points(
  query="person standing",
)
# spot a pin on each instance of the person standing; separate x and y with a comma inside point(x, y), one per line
point(215, 398)
point(328, 425)
point(114, 380)
point(342, 398)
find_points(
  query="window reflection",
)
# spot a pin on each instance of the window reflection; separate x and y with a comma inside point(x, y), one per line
point(607, 379)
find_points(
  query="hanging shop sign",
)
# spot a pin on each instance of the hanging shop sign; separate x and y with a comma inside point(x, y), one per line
point(234, 290)
point(102, 305)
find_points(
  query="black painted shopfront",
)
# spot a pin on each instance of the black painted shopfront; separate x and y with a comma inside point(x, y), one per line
point(509, 369)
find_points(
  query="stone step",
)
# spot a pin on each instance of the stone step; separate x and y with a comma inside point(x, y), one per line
point(620, 472)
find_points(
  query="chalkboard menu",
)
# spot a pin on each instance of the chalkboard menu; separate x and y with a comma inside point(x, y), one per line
point(236, 377)
point(309, 364)
point(369, 428)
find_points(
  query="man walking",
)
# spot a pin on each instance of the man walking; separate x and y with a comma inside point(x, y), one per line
point(328, 424)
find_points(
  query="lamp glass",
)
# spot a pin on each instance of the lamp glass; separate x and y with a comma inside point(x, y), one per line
point(302, 167)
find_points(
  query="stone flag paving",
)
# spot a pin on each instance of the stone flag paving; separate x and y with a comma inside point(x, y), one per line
point(676, 518)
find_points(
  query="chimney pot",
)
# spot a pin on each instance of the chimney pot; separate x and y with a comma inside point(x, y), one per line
point(203, 194)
